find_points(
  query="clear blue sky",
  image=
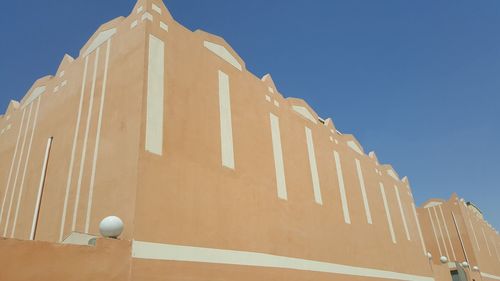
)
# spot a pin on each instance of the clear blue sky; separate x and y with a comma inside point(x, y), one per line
point(416, 81)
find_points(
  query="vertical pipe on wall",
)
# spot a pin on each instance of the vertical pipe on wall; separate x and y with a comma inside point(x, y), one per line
point(41, 185)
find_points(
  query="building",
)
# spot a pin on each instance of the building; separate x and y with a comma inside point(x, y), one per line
point(457, 231)
point(214, 173)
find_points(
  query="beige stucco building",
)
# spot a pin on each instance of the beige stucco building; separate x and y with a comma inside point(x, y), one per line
point(456, 230)
point(215, 174)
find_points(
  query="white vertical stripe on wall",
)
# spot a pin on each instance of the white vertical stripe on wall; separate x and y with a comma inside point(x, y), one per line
point(441, 232)
point(40, 186)
point(460, 237)
point(400, 204)
point(418, 228)
point(155, 96)
point(73, 150)
point(486, 241)
point(313, 166)
point(363, 192)
point(12, 164)
point(21, 187)
point(472, 229)
point(278, 156)
point(495, 247)
point(447, 233)
point(343, 197)
point(387, 213)
point(97, 139)
point(226, 128)
point(85, 140)
point(25, 134)
point(434, 231)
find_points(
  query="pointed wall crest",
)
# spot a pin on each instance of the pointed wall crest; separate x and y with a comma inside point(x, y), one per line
point(221, 48)
point(303, 109)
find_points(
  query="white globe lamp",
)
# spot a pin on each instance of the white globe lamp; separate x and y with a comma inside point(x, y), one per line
point(443, 259)
point(475, 268)
point(111, 227)
point(465, 264)
point(429, 255)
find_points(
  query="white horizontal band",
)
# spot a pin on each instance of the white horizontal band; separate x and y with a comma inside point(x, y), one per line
point(157, 251)
point(490, 276)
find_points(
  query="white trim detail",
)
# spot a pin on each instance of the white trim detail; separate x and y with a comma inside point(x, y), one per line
point(36, 92)
point(156, 8)
point(392, 174)
point(157, 251)
point(434, 231)
point(400, 204)
point(73, 151)
point(139, 9)
point(163, 26)
point(133, 24)
point(418, 228)
point(7, 218)
point(441, 233)
point(387, 213)
point(343, 197)
point(304, 113)
point(363, 192)
point(278, 156)
point(487, 275)
point(460, 237)
point(226, 128)
point(313, 166)
point(155, 96)
point(354, 147)
point(223, 53)
point(21, 186)
point(147, 16)
point(432, 204)
point(99, 40)
point(85, 141)
point(97, 138)
point(447, 233)
point(486, 241)
point(12, 165)
point(40, 187)
point(472, 229)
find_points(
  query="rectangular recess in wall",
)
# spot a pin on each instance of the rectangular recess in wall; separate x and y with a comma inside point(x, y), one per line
point(313, 166)
point(387, 213)
point(343, 197)
point(363, 192)
point(155, 92)
point(226, 128)
point(278, 156)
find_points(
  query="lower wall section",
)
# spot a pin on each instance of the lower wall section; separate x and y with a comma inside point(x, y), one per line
point(43, 261)
point(153, 252)
point(160, 270)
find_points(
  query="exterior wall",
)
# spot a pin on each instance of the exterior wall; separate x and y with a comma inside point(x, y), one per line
point(94, 98)
point(45, 261)
point(214, 173)
point(464, 240)
point(193, 195)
